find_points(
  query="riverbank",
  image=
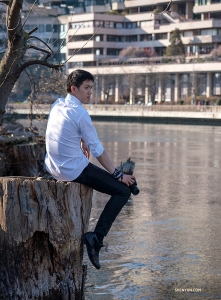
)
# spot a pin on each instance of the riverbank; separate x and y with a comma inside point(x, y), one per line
point(161, 114)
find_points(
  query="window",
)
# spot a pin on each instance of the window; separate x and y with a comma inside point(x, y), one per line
point(41, 28)
point(99, 23)
point(113, 52)
point(205, 49)
point(55, 27)
point(62, 56)
point(63, 28)
point(119, 25)
point(131, 25)
point(54, 42)
point(75, 64)
point(217, 84)
point(191, 50)
point(88, 24)
point(109, 24)
point(48, 28)
point(81, 24)
point(78, 38)
point(202, 2)
point(188, 33)
point(146, 37)
point(82, 51)
point(161, 36)
point(209, 32)
point(98, 38)
point(115, 38)
point(98, 51)
point(131, 38)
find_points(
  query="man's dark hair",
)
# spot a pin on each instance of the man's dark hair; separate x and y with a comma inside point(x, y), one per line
point(77, 77)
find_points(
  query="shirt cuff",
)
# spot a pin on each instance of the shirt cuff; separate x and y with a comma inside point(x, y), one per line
point(96, 150)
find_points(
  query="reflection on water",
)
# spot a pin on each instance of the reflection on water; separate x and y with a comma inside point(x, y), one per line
point(167, 239)
point(166, 242)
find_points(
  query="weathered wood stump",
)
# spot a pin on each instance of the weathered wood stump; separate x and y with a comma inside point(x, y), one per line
point(41, 224)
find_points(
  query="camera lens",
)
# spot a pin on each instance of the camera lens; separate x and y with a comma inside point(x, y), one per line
point(134, 189)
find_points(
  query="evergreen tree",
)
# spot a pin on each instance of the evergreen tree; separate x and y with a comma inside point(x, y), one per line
point(176, 46)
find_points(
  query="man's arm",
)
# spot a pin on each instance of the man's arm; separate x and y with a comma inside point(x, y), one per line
point(105, 161)
point(85, 148)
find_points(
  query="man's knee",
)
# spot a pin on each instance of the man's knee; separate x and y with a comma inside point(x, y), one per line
point(125, 192)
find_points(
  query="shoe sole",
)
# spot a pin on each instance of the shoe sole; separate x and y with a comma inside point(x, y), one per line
point(85, 241)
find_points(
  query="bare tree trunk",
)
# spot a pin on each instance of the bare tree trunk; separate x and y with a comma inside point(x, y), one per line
point(41, 252)
point(13, 56)
point(28, 159)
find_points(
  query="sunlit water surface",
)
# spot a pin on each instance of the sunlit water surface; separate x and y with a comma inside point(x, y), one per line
point(166, 242)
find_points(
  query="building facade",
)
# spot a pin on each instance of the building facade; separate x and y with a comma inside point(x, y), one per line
point(97, 37)
point(123, 43)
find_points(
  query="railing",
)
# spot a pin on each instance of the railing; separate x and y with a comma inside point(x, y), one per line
point(45, 108)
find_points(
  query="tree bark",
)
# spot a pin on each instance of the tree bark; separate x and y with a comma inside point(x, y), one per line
point(28, 159)
point(41, 225)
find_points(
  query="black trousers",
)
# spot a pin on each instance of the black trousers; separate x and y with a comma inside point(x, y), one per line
point(102, 181)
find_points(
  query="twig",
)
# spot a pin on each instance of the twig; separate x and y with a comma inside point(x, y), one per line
point(82, 46)
point(39, 49)
point(35, 37)
point(33, 30)
point(72, 36)
point(66, 35)
point(50, 36)
point(38, 62)
point(167, 9)
point(27, 16)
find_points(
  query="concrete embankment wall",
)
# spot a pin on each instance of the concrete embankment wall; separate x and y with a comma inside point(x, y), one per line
point(170, 114)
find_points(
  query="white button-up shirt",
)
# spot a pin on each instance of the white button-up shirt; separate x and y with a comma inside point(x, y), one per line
point(68, 123)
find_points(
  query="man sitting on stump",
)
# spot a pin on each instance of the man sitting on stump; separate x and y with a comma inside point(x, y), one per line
point(70, 136)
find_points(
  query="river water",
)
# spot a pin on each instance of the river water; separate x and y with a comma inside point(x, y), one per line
point(166, 242)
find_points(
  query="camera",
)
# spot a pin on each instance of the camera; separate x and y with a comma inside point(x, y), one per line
point(134, 189)
point(128, 168)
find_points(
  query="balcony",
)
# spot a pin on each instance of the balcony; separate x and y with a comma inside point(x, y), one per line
point(201, 39)
point(200, 9)
point(118, 6)
point(135, 3)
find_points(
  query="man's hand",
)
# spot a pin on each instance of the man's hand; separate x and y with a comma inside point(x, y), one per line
point(85, 148)
point(127, 179)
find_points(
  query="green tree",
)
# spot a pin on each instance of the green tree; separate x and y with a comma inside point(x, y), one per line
point(176, 47)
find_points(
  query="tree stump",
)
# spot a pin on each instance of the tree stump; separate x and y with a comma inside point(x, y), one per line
point(41, 225)
point(28, 159)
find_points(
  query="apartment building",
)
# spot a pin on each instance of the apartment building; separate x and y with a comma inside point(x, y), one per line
point(96, 37)
point(91, 34)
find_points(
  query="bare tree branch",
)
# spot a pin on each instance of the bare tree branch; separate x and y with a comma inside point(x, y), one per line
point(50, 36)
point(38, 62)
point(71, 36)
point(47, 57)
point(66, 35)
point(28, 15)
point(33, 30)
point(35, 37)
point(39, 49)
point(83, 45)
point(167, 9)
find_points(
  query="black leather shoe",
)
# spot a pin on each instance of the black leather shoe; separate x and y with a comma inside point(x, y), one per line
point(93, 248)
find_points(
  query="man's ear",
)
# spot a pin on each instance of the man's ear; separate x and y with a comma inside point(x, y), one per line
point(73, 89)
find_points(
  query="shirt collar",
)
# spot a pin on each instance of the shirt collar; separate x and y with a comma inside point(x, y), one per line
point(72, 100)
